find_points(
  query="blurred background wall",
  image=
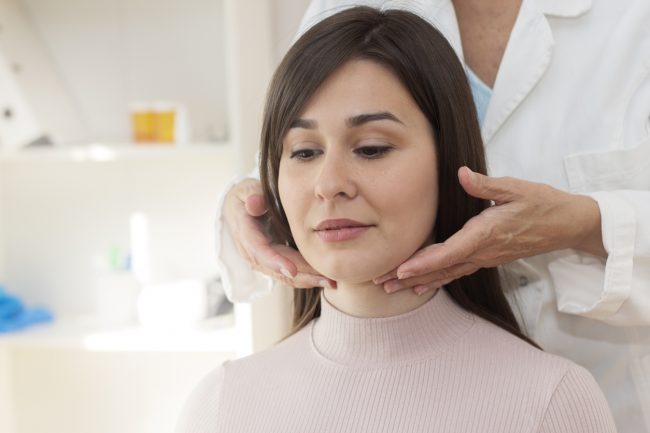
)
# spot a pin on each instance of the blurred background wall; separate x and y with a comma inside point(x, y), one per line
point(67, 209)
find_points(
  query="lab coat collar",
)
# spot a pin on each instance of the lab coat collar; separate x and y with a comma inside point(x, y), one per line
point(524, 62)
point(564, 8)
point(527, 55)
point(440, 13)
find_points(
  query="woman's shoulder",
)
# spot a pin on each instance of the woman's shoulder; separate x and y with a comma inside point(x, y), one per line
point(201, 410)
point(568, 392)
point(282, 358)
point(577, 402)
point(490, 349)
point(498, 344)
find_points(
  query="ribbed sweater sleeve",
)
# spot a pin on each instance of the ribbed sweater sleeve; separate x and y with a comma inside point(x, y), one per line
point(578, 406)
point(199, 415)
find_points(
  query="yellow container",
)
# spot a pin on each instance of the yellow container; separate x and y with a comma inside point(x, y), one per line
point(159, 122)
point(164, 124)
point(142, 123)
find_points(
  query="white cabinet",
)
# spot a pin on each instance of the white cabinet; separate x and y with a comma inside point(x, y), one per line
point(84, 377)
point(73, 390)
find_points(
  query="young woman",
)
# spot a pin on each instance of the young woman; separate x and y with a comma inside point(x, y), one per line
point(369, 113)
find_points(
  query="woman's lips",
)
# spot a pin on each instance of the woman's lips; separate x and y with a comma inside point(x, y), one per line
point(342, 233)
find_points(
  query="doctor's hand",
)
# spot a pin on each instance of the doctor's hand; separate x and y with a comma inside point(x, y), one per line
point(527, 219)
point(243, 206)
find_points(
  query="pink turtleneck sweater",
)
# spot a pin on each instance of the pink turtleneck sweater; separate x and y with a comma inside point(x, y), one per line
point(437, 368)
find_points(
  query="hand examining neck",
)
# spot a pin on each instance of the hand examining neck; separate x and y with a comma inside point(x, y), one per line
point(370, 300)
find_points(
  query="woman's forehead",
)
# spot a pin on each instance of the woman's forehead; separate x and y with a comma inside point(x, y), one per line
point(358, 88)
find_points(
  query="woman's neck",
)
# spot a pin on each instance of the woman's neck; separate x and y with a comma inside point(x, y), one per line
point(370, 300)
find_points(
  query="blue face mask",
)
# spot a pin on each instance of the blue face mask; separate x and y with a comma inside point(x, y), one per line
point(481, 94)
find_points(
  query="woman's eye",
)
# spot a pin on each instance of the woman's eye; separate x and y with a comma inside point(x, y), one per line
point(303, 154)
point(372, 152)
point(368, 152)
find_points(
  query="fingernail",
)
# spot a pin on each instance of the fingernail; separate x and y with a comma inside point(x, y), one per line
point(381, 280)
point(404, 275)
point(420, 289)
point(286, 273)
point(472, 175)
point(391, 286)
point(325, 283)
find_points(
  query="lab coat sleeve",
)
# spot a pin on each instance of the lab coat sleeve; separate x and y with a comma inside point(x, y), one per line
point(616, 290)
point(240, 282)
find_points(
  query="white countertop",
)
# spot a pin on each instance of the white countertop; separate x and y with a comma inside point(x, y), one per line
point(217, 334)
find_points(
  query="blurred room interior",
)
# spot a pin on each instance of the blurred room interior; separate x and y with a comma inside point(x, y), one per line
point(121, 123)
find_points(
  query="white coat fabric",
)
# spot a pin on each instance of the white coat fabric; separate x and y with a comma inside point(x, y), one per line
point(570, 108)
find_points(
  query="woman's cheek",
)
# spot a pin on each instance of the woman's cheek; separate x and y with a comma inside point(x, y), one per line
point(293, 202)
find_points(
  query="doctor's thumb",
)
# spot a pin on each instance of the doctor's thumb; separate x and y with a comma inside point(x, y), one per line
point(256, 205)
point(479, 185)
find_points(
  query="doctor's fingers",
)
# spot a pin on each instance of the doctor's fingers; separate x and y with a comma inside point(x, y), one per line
point(461, 247)
point(423, 288)
point(302, 281)
point(304, 276)
point(249, 192)
point(498, 189)
point(242, 207)
point(392, 275)
point(255, 246)
point(434, 279)
point(426, 260)
point(242, 204)
point(279, 262)
point(299, 281)
point(256, 205)
point(247, 232)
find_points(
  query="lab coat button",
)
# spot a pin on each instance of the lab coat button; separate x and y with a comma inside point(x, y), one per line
point(523, 281)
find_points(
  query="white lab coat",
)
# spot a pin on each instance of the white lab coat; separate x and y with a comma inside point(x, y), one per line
point(570, 108)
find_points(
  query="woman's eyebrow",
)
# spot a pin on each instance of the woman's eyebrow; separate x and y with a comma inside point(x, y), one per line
point(303, 123)
point(351, 122)
point(371, 117)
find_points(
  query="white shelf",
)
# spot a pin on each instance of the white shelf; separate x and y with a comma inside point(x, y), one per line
point(106, 152)
point(216, 335)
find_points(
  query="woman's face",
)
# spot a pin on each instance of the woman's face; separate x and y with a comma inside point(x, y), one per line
point(358, 175)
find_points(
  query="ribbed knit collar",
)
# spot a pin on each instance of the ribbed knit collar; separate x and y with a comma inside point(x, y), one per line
point(418, 334)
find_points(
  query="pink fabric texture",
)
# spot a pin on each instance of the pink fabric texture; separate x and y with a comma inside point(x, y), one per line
point(437, 368)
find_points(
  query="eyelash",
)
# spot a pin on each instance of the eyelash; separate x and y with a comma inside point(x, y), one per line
point(381, 151)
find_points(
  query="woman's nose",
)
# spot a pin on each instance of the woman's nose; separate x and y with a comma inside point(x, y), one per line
point(334, 179)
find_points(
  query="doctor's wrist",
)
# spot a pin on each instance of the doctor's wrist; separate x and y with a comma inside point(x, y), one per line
point(589, 236)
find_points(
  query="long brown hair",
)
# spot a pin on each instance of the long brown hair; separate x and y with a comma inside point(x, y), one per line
point(426, 64)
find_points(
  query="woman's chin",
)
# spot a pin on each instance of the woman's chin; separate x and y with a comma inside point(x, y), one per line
point(356, 268)
point(351, 274)
point(351, 270)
